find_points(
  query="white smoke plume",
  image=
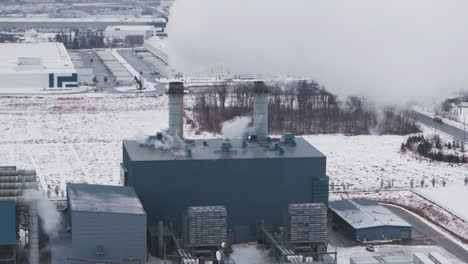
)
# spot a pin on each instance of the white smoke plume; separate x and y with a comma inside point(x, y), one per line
point(235, 128)
point(391, 51)
point(45, 209)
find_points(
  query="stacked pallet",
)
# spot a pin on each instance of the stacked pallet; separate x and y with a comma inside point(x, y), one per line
point(207, 225)
point(307, 222)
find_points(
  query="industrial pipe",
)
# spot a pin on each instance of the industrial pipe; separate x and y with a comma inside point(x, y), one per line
point(176, 109)
point(260, 117)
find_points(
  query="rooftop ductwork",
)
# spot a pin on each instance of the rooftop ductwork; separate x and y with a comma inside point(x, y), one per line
point(260, 118)
point(176, 109)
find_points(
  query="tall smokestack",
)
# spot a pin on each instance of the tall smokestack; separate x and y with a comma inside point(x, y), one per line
point(260, 117)
point(176, 109)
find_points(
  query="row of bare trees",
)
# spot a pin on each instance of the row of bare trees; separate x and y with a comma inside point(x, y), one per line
point(301, 107)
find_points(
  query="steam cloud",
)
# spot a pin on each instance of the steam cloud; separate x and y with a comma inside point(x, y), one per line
point(45, 209)
point(235, 128)
point(390, 51)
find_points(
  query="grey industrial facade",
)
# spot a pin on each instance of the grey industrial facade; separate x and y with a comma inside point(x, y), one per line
point(366, 220)
point(254, 181)
point(108, 223)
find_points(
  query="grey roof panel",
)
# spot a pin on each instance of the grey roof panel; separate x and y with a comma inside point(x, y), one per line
point(208, 149)
point(366, 214)
point(103, 199)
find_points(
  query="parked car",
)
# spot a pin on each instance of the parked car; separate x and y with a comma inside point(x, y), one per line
point(370, 248)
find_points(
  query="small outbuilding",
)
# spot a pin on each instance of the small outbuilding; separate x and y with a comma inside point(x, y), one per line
point(368, 221)
point(108, 223)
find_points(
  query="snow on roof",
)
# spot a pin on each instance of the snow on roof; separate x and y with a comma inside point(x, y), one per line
point(366, 214)
point(210, 149)
point(28, 57)
point(83, 19)
point(130, 28)
point(157, 42)
point(103, 199)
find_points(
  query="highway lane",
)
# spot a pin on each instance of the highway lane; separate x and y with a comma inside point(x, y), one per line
point(455, 132)
point(423, 228)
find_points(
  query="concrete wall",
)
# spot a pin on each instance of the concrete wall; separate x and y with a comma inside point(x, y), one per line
point(37, 81)
point(251, 189)
point(121, 235)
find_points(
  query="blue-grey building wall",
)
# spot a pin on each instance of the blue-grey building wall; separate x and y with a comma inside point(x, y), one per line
point(383, 233)
point(8, 227)
point(121, 235)
point(251, 189)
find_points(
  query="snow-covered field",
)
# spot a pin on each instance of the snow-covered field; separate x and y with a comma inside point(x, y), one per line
point(75, 138)
point(450, 198)
point(361, 162)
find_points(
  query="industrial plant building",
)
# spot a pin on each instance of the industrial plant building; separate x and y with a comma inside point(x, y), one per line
point(36, 66)
point(255, 177)
point(108, 223)
point(366, 220)
point(15, 214)
point(124, 31)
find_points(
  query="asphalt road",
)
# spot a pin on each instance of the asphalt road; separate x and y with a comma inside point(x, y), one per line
point(448, 129)
point(422, 228)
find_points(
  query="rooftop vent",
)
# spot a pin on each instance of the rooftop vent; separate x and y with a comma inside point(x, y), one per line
point(226, 146)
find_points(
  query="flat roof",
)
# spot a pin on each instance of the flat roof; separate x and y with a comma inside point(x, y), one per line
point(366, 214)
point(7, 223)
point(46, 57)
point(210, 149)
point(103, 199)
point(130, 27)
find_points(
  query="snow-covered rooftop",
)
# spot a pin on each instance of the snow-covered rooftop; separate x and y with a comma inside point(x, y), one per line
point(211, 149)
point(130, 28)
point(365, 214)
point(27, 57)
point(103, 199)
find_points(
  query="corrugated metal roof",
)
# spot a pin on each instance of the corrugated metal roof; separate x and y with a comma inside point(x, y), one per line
point(103, 199)
point(7, 223)
point(211, 149)
point(365, 214)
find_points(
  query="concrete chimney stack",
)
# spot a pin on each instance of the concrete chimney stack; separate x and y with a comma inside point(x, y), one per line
point(176, 109)
point(260, 117)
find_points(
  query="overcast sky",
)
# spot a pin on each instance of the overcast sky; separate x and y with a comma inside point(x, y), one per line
point(381, 48)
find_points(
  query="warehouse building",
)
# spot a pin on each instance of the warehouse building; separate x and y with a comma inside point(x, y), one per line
point(108, 223)
point(35, 66)
point(366, 220)
point(124, 31)
point(254, 178)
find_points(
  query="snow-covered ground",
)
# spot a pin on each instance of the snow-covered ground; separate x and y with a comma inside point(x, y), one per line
point(362, 162)
point(75, 138)
point(450, 198)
